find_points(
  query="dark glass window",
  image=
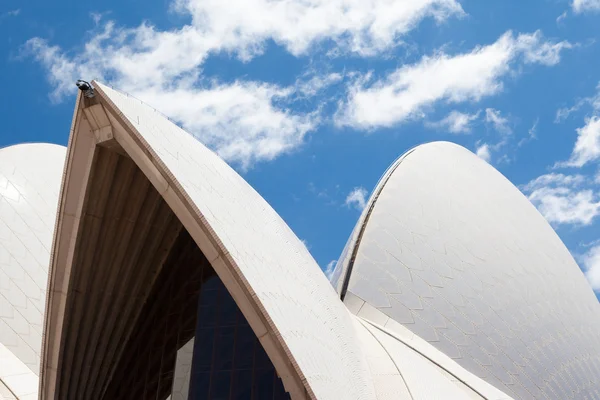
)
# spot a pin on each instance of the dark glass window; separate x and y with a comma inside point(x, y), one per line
point(229, 362)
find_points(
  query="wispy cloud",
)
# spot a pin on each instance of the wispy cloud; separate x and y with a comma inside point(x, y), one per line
point(497, 151)
point(561, 17)
point(8, 14)
point(591, 266)
point(357, 198)
point(483, 152)
point(592, 101)
point(531, 133)
point(330, 195)
point(330, 268)
point(587, 146)
point(317, 83)
point(554, 179)
point(407, 92)
point(455, 122)
point(499, 123)
point(564, 199)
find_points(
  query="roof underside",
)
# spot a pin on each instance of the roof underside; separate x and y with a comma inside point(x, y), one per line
point(127, 236)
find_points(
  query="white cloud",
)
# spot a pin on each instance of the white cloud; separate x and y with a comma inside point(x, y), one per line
point(315, 84)
point(593, 101)
point(561, 17)
point(533, 130)
point(591, 266)
point(580, 6)
point(564, 199)
point(563, 113)
point(536, 50)
point(239, 120)
point(357, 198)
point(244, 122)
point(501, 125)
point(587, 146)
point(483, 152)
point(239, 26)
point(11, 13)
point(566, 206)
point(405, 93)
point(554, 179)
point(330, 268)
point(497, 121)
point(455, 122)
point(305, 243)
point(531, 133)
point(362, 26)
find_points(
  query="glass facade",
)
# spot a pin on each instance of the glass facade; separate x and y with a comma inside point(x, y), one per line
point(229, 362)
point(190, 340)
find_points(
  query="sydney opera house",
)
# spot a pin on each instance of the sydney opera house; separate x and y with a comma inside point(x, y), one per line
point(136, 264)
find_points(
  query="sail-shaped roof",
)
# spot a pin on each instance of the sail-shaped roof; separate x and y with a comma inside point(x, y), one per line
point(451, 250)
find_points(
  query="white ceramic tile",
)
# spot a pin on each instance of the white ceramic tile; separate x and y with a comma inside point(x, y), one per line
point(483, 258)
point(296, 295)
point(30, 178)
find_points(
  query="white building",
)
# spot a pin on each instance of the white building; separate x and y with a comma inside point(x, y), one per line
point(154, 271)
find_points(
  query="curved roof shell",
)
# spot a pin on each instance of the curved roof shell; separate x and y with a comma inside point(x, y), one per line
point(293, 310)
point(30, 177)
point(451, 250)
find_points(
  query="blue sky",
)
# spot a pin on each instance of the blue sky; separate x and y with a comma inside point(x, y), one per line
point(312, 100)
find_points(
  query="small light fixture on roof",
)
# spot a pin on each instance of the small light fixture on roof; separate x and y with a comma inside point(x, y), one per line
point(86, 88)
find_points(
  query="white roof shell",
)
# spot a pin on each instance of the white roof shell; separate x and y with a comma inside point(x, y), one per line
point(30, 177)
point(451, 250)
point(271, 261)
point(306, 331)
